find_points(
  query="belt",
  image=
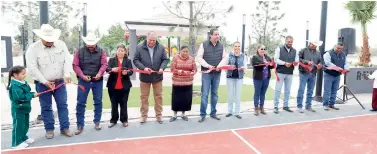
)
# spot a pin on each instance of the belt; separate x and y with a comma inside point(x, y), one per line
point(56, 80)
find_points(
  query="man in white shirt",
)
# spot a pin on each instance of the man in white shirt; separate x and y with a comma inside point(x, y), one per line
point(211, 54)
point(286, 58)
point(48, 63)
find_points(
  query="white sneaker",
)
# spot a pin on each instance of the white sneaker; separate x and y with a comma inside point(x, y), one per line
point(23, 145)
point(30, 141)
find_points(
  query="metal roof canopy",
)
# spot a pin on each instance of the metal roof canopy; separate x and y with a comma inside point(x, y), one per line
point(162, 29)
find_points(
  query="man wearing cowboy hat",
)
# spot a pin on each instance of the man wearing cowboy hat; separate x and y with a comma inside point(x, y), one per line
point(312, 57)
point(89, 64)
point(48, 62)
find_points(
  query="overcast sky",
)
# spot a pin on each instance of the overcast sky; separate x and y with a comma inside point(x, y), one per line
point(102, 14)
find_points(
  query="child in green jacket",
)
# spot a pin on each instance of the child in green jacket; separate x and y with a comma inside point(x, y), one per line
point(20, 95)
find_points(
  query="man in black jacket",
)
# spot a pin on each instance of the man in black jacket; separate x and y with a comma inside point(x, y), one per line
point(151, 56)
point(312, 57)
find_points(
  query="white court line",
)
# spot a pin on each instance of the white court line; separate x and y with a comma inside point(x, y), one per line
point(184, 134)
point(244, 141)
point(268, 111)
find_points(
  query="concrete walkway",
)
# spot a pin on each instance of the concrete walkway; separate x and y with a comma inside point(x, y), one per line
point(134, 113)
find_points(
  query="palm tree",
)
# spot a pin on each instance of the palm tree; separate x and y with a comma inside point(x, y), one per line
point(362, 12)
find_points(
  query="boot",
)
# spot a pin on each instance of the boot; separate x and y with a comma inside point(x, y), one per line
point(262, 110)
point(256, 112)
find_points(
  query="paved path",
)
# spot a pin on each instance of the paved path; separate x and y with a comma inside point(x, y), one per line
point(152, 128)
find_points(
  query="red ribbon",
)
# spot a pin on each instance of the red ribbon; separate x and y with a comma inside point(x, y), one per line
point(60, 85)
point(336, 68)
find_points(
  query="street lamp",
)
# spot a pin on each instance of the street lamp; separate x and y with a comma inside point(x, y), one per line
point(84, 20)
point(79, 29)
point(322, 37)
point(243, 32)
point(23, 41)
point(307, 33)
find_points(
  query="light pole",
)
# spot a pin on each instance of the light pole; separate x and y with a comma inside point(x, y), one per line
point(84, 20)
point(43, 12)
point(79, 29)
point(23, 42)
point(307, 33)
point(243, 32)
point(322, 37)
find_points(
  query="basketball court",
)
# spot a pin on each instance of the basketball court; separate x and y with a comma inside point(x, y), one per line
point(349, 130)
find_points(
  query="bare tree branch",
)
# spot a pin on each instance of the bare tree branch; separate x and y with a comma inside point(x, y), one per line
point(179, 16)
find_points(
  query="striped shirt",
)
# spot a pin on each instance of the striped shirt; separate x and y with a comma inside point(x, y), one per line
point(187, 64)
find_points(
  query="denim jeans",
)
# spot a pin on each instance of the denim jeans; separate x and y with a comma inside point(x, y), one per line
point(286, 80)
point(234, 94)
point(331, 85)
point(210, 81)
point(306, 79)
point(260, 89)
point(60, 96)
point(97, 88)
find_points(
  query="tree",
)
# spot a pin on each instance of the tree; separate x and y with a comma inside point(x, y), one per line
point(115, 36)
point(264, 26)
point(196, 12)
point(362, 12)
point(59, 14)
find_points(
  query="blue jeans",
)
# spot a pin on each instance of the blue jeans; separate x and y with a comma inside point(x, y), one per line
point(260, 89)
point(60, 96)
point(331, 85)
point(97, 88)
point(286, 80)
point(234, 95)
point(308, 79)
point(209, 81)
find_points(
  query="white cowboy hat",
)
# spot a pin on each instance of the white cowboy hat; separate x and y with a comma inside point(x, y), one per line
point(91, 39)
point(48, 33)
point(316, 43)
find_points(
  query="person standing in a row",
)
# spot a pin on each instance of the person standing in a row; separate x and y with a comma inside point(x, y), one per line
point(211, 53)
point(235, 79)
point(286, 59)
point(151, 56)
point(184, 68)
point(119, 85)
point(312, 57)
point(261, 78)
point(331, 78)
point(89, 64)
point(49, 64)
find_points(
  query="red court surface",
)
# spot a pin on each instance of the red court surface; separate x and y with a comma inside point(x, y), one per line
point(347, 135)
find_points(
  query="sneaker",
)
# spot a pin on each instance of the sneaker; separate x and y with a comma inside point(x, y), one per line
point(215, 117)
point(333, 107)
point(276, 110)
point(326, 108)
point(173, 118)
point(185, 118)
point(30, 141)
point(300, 110)
point(23, 145)
point(201, 120)
point(310, 109)
point(287, 109)
point(228, 115)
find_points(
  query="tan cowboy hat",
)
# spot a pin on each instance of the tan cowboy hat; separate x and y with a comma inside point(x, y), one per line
point(48, 33)
point(91, 39)
point(316, 42)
